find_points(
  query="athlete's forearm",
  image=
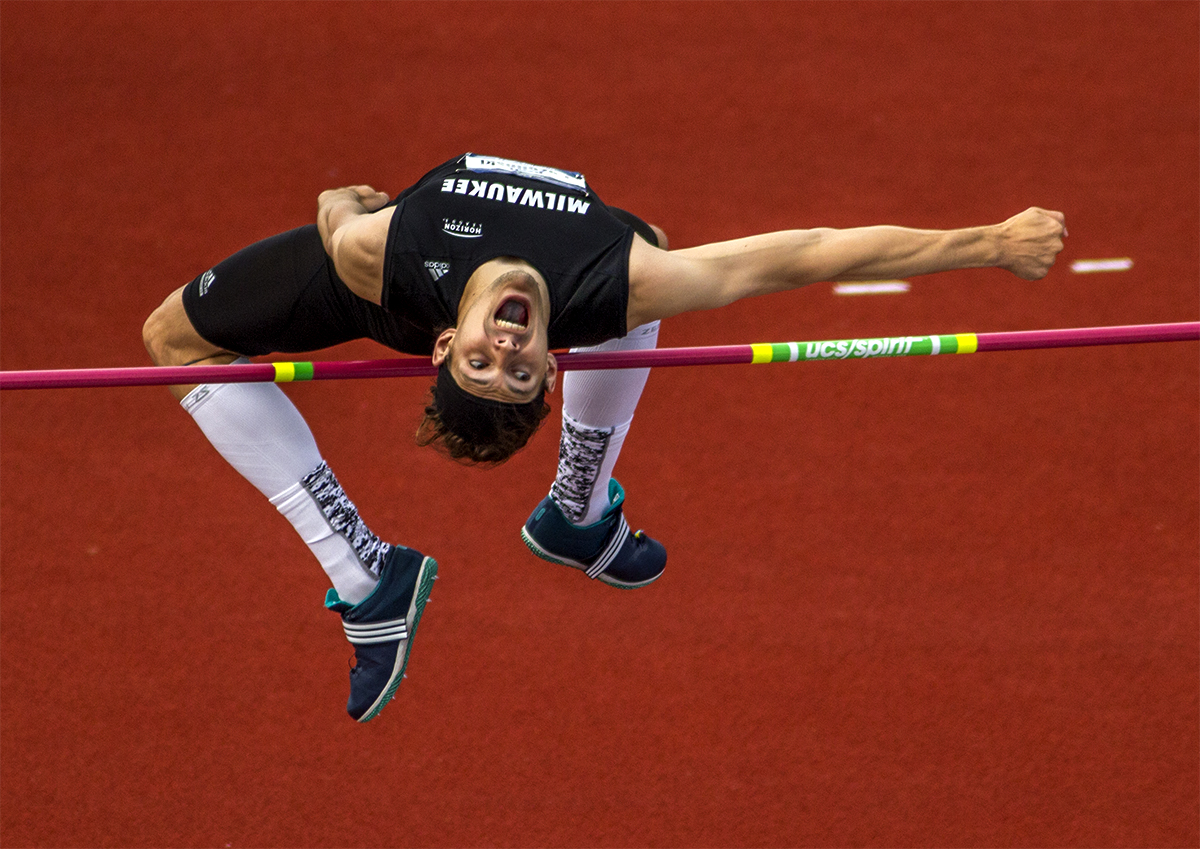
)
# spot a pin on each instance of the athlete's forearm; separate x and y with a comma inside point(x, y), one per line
point(1026, 245)
point(790, 259)
point(871, 253)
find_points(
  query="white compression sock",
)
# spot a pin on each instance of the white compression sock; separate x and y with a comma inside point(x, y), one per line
point(263, 436)
point(598, 408)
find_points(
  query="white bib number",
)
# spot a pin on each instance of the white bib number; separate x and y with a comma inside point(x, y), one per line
point(554, 176)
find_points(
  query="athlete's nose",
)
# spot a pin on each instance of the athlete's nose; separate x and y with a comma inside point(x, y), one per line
point(505, 341)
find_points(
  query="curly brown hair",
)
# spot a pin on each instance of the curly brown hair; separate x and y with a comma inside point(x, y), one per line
point(477, 431)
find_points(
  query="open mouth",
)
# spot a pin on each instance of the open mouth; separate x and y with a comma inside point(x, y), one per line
point(512, 315)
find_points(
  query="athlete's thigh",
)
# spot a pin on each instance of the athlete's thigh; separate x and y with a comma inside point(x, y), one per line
point(277, 295)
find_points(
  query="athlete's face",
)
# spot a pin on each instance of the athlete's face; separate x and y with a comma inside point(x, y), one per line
point(499, 349)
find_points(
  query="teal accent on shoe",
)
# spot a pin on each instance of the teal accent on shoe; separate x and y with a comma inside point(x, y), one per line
point(334, 602)
point(616, 498)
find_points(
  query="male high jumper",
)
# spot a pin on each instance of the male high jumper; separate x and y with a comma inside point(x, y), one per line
point(488, 265)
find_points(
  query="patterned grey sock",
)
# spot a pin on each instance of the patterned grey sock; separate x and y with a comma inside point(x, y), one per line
point(343, 518)
point(581, 453)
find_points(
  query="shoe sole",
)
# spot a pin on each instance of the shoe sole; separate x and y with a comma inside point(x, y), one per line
point(575, 564)
point(424, 587)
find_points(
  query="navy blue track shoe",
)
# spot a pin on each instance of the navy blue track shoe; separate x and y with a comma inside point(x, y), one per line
point(606, 550)
point(381, 628)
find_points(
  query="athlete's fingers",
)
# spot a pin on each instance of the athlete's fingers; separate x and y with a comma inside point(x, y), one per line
point(370, 198)
point(1057, 216)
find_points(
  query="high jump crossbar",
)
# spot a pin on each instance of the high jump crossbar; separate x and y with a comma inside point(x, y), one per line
point(777, 352)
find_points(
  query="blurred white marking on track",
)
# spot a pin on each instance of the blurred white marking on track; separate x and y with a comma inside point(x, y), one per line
point(874, 287)
point(1090, 266)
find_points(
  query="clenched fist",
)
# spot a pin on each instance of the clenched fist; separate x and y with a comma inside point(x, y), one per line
point(1030, 241)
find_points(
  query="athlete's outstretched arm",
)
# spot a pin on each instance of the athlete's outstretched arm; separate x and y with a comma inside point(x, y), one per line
point(354, 227)
point(663, 284)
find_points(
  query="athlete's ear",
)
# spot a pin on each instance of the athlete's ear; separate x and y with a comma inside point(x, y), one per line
point(551, 372)
point(441, 345)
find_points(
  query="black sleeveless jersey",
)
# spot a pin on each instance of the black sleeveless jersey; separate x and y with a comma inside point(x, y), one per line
point(476, 208)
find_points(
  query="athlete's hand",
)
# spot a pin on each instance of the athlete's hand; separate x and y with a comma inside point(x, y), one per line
point(1030, 241)
point(370, 199)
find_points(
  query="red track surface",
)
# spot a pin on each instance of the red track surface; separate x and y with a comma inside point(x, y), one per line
point(946, 602)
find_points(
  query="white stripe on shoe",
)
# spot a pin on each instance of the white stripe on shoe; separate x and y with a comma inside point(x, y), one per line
point(610, 552)
point(376, 632)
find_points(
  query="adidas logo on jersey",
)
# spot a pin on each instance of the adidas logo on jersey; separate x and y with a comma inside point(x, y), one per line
point(437, 270)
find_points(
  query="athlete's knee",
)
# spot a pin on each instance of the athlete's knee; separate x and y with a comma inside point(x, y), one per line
point(157, 336)
point(169, 337)
point(154, 337)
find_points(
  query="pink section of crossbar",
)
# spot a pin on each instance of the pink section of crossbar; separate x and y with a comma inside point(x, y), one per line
point(1124, 335)
point(657, 357)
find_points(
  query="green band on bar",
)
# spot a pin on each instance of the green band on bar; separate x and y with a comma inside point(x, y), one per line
point(304, 371)
point(942, 344)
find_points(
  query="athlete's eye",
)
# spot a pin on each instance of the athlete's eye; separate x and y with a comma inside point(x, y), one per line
point(477, 364)
point(522, 376)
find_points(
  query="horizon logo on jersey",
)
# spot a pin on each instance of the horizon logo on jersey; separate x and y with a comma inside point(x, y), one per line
point(484, 190)
point(462, 229)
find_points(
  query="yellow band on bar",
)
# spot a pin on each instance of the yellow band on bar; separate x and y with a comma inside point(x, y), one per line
point(285, 372)
point(968, 343)
point(761, 352)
